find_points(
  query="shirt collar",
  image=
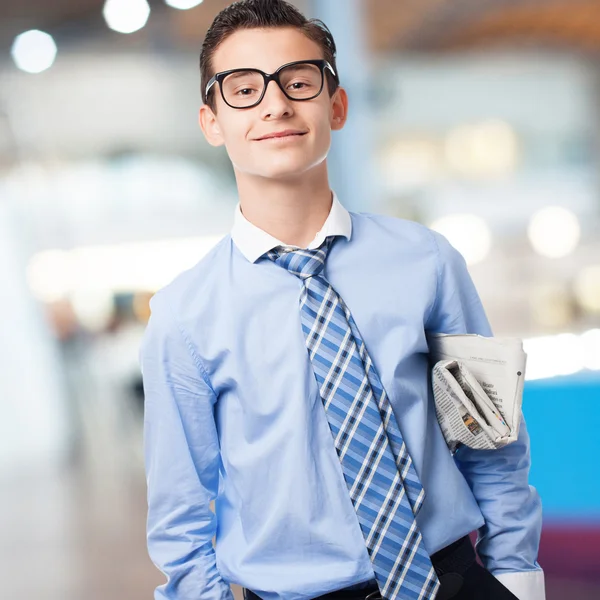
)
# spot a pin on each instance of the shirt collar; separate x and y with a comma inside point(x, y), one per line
point(253, 242)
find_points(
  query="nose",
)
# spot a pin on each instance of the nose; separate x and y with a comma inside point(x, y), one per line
point(275, 104)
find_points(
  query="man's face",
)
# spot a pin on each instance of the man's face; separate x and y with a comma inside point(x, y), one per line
point(243, 131)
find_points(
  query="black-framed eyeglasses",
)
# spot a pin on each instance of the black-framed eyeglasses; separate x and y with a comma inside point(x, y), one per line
point(244, 88)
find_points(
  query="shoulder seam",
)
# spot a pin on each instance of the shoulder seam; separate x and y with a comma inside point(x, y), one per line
point(195, 357)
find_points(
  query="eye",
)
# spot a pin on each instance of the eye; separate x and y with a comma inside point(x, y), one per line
point(245, 91)
point(298, 85)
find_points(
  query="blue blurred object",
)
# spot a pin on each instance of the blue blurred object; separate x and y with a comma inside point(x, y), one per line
point(562, 416)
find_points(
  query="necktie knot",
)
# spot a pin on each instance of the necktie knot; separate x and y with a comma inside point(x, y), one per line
point(301, 262)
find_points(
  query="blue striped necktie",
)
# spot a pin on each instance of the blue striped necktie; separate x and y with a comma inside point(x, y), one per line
point(384, 487)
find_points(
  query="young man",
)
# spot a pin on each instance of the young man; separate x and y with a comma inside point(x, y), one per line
point(286, 375)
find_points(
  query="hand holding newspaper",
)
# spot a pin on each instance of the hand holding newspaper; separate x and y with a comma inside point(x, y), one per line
point(477, 388)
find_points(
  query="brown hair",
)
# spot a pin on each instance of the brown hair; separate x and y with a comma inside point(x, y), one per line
point(250, 14)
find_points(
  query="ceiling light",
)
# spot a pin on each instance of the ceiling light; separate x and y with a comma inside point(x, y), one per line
point(469, 234)
point(126, 16)
point(486, 149)
point(33, 51)
point(554, 231)
point(183, 4)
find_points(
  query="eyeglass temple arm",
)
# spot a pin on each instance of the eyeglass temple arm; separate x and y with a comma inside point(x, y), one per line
point(328, 66)
point(210, 83)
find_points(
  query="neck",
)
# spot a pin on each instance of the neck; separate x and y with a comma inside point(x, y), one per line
point(293, 211)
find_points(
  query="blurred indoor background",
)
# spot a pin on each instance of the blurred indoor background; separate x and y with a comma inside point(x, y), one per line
point(480, 118)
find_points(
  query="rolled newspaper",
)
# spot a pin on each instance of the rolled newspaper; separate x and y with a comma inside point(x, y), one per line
point(477, 389)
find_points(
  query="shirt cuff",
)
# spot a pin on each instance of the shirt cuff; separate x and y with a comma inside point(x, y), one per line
point(525, 585)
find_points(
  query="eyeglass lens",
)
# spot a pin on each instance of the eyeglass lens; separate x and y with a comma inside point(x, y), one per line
point(299, 82)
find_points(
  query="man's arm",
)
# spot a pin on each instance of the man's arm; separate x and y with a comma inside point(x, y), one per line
point(182, 459)
point(509, 540)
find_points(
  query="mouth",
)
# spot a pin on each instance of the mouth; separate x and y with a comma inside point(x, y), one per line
point(281, 136)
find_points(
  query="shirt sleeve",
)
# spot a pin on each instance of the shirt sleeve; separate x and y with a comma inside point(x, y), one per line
point(182, 459)
point(508, 542)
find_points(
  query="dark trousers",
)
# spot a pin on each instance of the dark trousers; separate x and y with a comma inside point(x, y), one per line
point(461, 578)
point(478, 584)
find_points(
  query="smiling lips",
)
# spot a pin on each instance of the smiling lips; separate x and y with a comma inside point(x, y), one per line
point(286, 134)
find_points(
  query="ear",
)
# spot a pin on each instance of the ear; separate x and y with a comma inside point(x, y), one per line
point(210, 127)
point(339, 109)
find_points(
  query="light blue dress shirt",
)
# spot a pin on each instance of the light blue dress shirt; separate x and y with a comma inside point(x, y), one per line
point(233, 414)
